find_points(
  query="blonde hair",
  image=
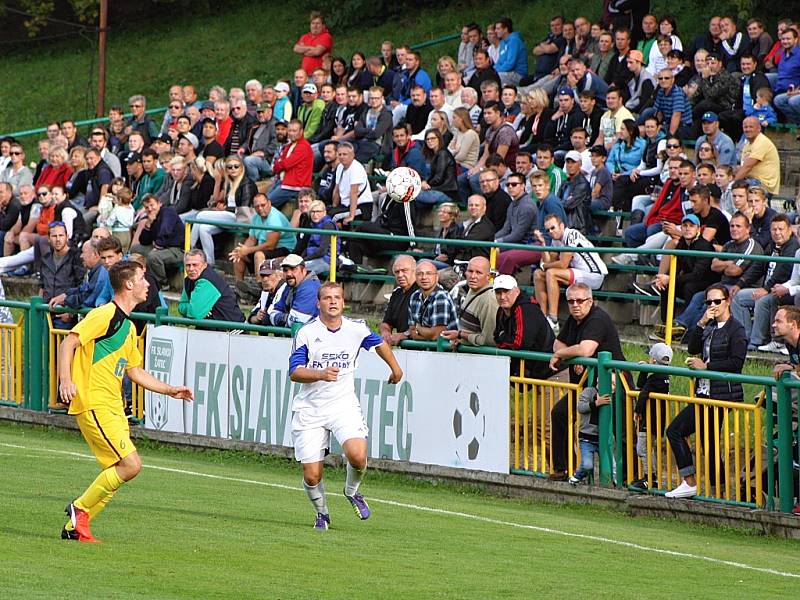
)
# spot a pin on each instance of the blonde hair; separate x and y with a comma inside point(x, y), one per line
point(316, 204)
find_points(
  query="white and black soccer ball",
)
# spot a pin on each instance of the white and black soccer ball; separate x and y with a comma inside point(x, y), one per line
point(403, 184)
point(469, 425)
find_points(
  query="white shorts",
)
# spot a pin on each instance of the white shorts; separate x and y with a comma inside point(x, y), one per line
point(311, 434)
point(593, 280)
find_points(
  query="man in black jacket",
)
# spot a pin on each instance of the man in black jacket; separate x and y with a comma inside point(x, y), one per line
point(480, 228)
point(750, 82)
point(764, 300)
point(9, 209)
point(161, 238)
point(521, 325)
point(568, 117)
point(100, 178)
point(497, 200)
point(395, 218)
point(262, 142)
point(373, 131)
point(240, 128)
point(59, 263)
point(206, 295)
point(395, 319)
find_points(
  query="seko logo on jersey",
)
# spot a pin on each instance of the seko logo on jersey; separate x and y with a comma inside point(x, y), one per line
point(340, 360)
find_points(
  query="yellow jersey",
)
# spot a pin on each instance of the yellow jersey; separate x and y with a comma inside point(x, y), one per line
point(108, 347)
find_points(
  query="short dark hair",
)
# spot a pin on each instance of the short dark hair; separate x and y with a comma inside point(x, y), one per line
point(495, 160)
point(700, 190)
point(741, 215)
point(686, 164)
point(740, 184)
point(718, 286)
point(123, 272)
point(493, 104)
point(792, 314)
point(545, 148)
point(506, 23)
point(109, 243)
point(150, 152)
point(783, 218)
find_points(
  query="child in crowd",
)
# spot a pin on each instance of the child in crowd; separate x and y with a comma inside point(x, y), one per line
point(588, 436)
point(120, 220)
point(648, 383)
point(600, 181)
point(282, 111)
point(762, 108)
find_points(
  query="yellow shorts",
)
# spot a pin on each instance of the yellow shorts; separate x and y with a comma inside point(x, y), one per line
point(108, 435)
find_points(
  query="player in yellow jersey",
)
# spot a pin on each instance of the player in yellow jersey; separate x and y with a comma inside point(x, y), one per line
point(92, 361)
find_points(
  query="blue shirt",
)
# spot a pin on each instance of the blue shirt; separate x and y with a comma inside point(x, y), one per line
point(513, 55)
point(551, 205)
point(788, 70)
point(275, 218)
point(675, 101)
point(726, 149)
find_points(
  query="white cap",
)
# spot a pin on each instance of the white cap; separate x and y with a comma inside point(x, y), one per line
point(293, 260)
point(661, 353)
point(573, 155)
point(504, 282)
point(282, 86)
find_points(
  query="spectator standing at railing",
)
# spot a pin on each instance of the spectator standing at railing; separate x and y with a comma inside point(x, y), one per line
point(299, 303)
point(477, 312)
point(430, 309)
point(95, 289)
point(721, 343)
point(394, 325)
point(272, 288)
point(206, 295)
point(521, 325)
point(315, 44)
point(59, 264)
point(587, 331)
point(589, 403)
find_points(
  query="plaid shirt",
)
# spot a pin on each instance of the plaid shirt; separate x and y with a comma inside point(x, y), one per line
point(437, 309)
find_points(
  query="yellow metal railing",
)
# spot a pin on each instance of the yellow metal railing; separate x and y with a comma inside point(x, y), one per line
point(11, 362)
point(137, 396)
point(533, 401)
point(740, 433)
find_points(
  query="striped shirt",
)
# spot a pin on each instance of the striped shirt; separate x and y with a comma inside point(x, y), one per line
point(675, 101)
point(582, 261)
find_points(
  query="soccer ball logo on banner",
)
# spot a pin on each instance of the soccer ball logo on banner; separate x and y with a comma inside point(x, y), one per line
point(403, 184)
point(469, 425)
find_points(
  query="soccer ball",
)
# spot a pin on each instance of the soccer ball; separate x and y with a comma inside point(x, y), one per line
point(469, 426)
point(403, 184)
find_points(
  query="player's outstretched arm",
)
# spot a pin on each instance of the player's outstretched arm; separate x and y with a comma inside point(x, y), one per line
point(385, 352)
point(306, 375)
point(141, 377)
point(66, 352)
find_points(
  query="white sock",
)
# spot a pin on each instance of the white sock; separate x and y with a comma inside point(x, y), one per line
point(354, 477)
point(316, 493)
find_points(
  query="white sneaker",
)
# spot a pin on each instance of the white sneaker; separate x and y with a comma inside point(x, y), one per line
point(684, 490)
point(554, 324)
point(623, 259)
point(775, 347)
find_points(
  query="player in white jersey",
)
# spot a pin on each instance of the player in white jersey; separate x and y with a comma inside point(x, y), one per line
point(564, 268)
point(324, 360)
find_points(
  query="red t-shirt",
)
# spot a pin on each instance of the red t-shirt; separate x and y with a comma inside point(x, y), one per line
point(46, 216)
point(309, 63)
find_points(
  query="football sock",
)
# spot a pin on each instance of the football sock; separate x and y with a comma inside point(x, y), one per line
point(316, 493)
point(354, 477)
point(97, 495)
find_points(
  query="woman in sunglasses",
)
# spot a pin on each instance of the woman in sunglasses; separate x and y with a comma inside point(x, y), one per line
point(720, 344)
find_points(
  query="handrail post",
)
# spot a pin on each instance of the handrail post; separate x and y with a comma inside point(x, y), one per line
point(604, 420)
point(187, 237)
point(673, 271)
point(785, 478)
point(37, 335)
point(334, 258)
point(492, 260)
point(161, 312)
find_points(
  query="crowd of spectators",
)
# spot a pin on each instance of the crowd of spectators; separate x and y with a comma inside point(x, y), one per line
point(533, 139)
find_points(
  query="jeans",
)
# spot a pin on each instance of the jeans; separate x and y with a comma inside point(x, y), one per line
point(693, 311)
point(789, 106)
point(205, 233)
point(682, 426)
point(279, 195)
point(509, 78)
point(320, 266)
point(366, 150)
point(588, 450)
point(642, 202)
point(636, 235)
point(468, 185)
point(510, 261)
point(257, 167)
point(433, 197)
point(757, 329)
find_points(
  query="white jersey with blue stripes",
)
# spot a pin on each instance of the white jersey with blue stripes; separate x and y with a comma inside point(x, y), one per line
point(317, 347)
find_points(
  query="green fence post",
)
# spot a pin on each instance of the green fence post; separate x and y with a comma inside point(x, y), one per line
point(161, 312)
point(620, 440)
point(296, 327)
point(36, 365)
point(604, 420)
point(785, 478)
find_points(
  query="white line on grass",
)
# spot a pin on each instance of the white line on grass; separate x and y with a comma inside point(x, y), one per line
point(451, 513)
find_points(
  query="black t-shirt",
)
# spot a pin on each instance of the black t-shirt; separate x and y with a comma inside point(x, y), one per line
point(717, 220)
point(597, 326)
point(214, 149)
point(396, 313)
point(794, 354)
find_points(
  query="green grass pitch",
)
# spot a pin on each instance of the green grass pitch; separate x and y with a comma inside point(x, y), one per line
point(211, 524)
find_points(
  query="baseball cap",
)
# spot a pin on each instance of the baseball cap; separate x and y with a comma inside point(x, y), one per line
point(691, 218)
point(565, 92)
point(573, 155)
point(163, 138)
point(133, 157)
point(661, 353)
point(263, 106)
point(282, 86)
point(636, 55)
point(191, 138)
point(270, 266)
point(207, 105)
point(709, 116)
point(281, 122)
point(310, 87)
point(599, 149)
point(293, 260)
point(208, 120)
point(504, 282)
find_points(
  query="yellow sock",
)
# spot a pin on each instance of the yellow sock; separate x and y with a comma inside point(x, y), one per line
point(97, 495)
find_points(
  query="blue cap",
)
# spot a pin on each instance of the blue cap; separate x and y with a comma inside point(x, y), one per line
point(709, 117)
point(566, 92)
point(691, 218)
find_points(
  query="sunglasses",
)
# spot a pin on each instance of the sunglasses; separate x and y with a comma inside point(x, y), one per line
point(56, 224)
point(40, 194)
point(513, 184)
point(15, 153)
point(673, 146)
point(176, 106)
point(231, 167)
point(664, 78)
point(577, 301)
point(715, 301)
